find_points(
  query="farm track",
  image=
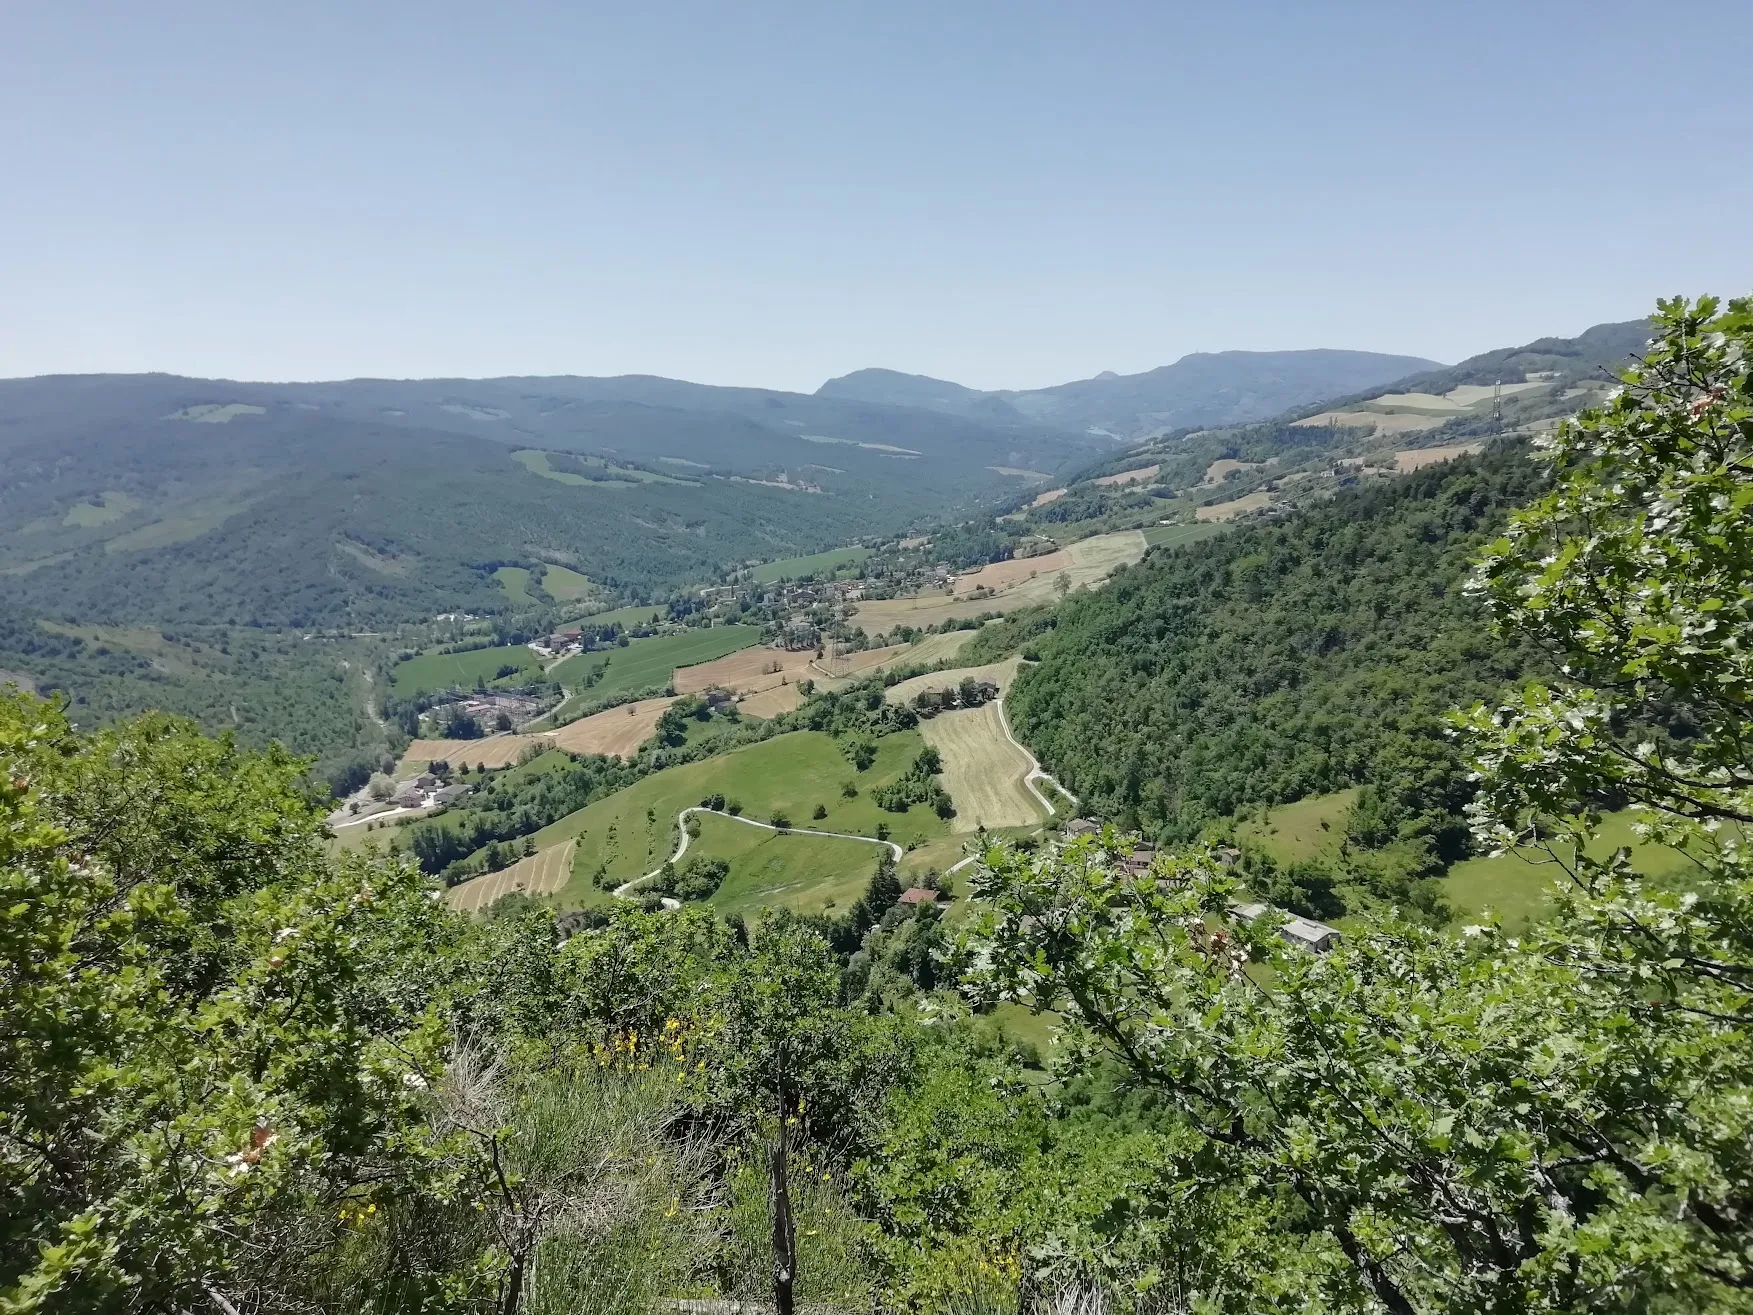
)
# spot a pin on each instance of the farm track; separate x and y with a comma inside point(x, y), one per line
point(1035, 771)
point(627, 888)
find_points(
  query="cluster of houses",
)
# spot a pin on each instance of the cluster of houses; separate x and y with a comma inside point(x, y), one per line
point(1304, 933)
point(426, 791)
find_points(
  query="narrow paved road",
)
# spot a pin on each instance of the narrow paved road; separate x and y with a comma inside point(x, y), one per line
point(626, 889)
point(1035, 772)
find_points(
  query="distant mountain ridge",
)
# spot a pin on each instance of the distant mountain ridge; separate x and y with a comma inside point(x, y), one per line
point(1204, 388)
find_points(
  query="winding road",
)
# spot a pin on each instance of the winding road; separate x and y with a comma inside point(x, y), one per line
point(1035, 772)
point(627, 888)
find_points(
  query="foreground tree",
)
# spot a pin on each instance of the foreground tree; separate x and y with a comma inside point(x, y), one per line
point(1553, 1122)
point(214, 1045)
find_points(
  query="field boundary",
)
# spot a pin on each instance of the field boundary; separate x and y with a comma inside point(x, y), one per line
point(1035, 770)
point(626, 888)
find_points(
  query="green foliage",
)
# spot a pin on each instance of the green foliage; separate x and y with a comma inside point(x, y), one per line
point(1557, 1122)
point(213, 1037)
point(1281, 661)
point(918, 786)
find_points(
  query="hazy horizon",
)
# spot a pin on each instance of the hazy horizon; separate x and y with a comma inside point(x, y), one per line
point(1002, 196)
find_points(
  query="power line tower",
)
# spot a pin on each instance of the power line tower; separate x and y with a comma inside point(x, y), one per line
point(1497, 407)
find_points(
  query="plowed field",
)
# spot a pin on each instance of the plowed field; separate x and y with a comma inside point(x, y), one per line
point(617, 731)
point(542, 873)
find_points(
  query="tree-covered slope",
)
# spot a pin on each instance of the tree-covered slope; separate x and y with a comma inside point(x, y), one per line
point(153, 498)
point(1282, 660)
point(1204, 388)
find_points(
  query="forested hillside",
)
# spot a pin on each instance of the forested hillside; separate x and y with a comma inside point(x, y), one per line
point(1204, 388)
point(1281, 660)
point(151, 498)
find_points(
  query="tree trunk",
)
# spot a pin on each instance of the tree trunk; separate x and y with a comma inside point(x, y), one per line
point(784, 1231)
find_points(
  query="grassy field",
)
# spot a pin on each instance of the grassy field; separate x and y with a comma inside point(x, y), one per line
point(790, 568)
point(1087, 562)
point(107, 507)
point(1516, 885)
point(191, 524)
point(536, 462)
point(647, 662)
point(1174, 536)
point(515, 580)
point(1512, 885)
point(982, 770)
point(1223, 511)
point(565, 584)
point(542, 873)
point(626, 617)
point(1292, 833)
point(618, 731)
point(633, 830)
point(1000, 673)
point(768, 869)
point(436, 671)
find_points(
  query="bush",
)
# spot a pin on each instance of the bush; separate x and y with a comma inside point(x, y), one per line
point(820, 813)
point(777, 818)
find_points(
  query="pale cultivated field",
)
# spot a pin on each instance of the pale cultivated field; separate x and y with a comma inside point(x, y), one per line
point(1000, 674)
point(982, 770)
point(616, 731)
point(542, 873)
point(775, 702)
point(1215, 472)
point(927, 652)
point(1417, 402)
point(1470, 394)
point(847, 666)
point(1418, 458)
point(1051, 495)
point(494, 751)
point(940, 648)
point(1382, 423)
point(1129, 476)
point(1018, 472)
point(745, 672)
point(1088, 562)
point(1223, 511)
point(1000, 575)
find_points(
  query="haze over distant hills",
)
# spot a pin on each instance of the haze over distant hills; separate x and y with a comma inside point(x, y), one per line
point(1206, 388)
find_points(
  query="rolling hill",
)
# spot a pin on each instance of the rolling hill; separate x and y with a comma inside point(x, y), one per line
point(158, 498)
point(1206, 388)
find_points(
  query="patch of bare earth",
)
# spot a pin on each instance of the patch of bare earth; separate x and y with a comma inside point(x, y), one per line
point(614, 732)
point(494, 751)
point(1419, 458)
point(542, 873)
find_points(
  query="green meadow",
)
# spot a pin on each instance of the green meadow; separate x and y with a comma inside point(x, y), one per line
point(437, 671)
point(791, 568)
point(648, 662)
point(1176, 536)
point(632, 831)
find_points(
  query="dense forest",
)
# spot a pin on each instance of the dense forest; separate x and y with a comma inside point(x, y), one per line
point(1280, 661)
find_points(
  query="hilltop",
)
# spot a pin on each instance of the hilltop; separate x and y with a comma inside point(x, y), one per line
point(1205, 388)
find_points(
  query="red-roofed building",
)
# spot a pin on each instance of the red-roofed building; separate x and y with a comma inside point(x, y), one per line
point(919, 895)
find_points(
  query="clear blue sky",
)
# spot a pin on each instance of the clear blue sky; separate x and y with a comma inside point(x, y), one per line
point(1006, 194)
